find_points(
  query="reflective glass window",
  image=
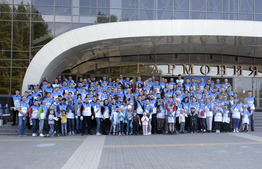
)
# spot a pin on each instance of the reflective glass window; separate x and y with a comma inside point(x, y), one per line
point(59, 18)
point(91, 3)
point(258, 6)
point(147, 14)
point(20, 55)
point(5, 34)
point(213, 15)
point(245, 17)
point(48, 18)
point(75, 3)
point(198, 15)
point(116, 4)
point(116, 13)
point(165, 15)
point(147, 4)
point(41, 2)
point(5, 55)
point(214, 5)
point(75, 19)
point(245, 6)
point(75, 11)
point(181, 5)
point(63, 11)
point(88, 11)
point(130, 14)
point(41, 33)
point(44, 9)
point(230, 6)
point(258, 17)
point(88, 19)
point(17, 78)
point(5, 81)
point(181, 15)
point(198, 5)
point(130, 4)
point(103, 3)
point(63, 2)
point(62, 28)
point(103, 11)
point(19, 1)
point(229, 16)
point(21, 36)
point(165, 4)
point(5, 63)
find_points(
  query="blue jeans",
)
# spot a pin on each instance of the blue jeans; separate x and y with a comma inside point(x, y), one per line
point(128, 125)
point(34, 127)
point(202, 123)
point(235, 123)
point(51, 132)
point(41, 126)
point(78, 125)
point(121, 127)
point(22, 124)
point(64, 128)
point(98, 122)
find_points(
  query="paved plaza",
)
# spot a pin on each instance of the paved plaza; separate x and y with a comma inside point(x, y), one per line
point(224, 150)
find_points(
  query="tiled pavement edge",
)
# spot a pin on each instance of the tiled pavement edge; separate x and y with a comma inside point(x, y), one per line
point(87, 155)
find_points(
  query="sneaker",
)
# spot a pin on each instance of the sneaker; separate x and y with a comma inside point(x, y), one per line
point(204, 131)
point(41, 135)
point(114, 134)
point(119, 134)
point(237, 130)
point(98, 134)
point(69, 133)
point(47, 135)
point(234, 130)
point(34, 135)
point(123, 134)
point(73, 132)
point(144, 134)
point(149, 133)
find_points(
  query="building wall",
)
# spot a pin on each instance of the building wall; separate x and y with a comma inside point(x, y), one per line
point(27, 25)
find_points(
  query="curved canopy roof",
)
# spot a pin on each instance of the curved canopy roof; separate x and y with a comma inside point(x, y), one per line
point(144, 37)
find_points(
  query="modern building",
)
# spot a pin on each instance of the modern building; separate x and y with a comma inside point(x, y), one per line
point(83, 38)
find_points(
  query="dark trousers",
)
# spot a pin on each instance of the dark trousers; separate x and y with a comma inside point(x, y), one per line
point(226, 127)
point(218, 125)
point(135, 127)
point(14, 116)
point(105, 126)
point(71, 125)
point(193, 123)
point(87, 123)
point(58, 126)
point(252, 121)
point(154, 123)
point(47, 127)
point(202, 123)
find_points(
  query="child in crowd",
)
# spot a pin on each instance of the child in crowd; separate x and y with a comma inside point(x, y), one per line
point(136, 122)
point(171, 119)
point(145, 121)
point(182, 120)
point(193, 120)
point(51, 122)
point(245, 118)
point(129, 126)
point(64, 122)
point(121, 119)
point(114, 121)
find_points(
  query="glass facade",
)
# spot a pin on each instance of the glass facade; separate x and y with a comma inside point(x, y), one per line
point(27, 25)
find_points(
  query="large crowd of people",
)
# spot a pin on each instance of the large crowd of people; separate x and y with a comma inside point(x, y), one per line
point(131, 107)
